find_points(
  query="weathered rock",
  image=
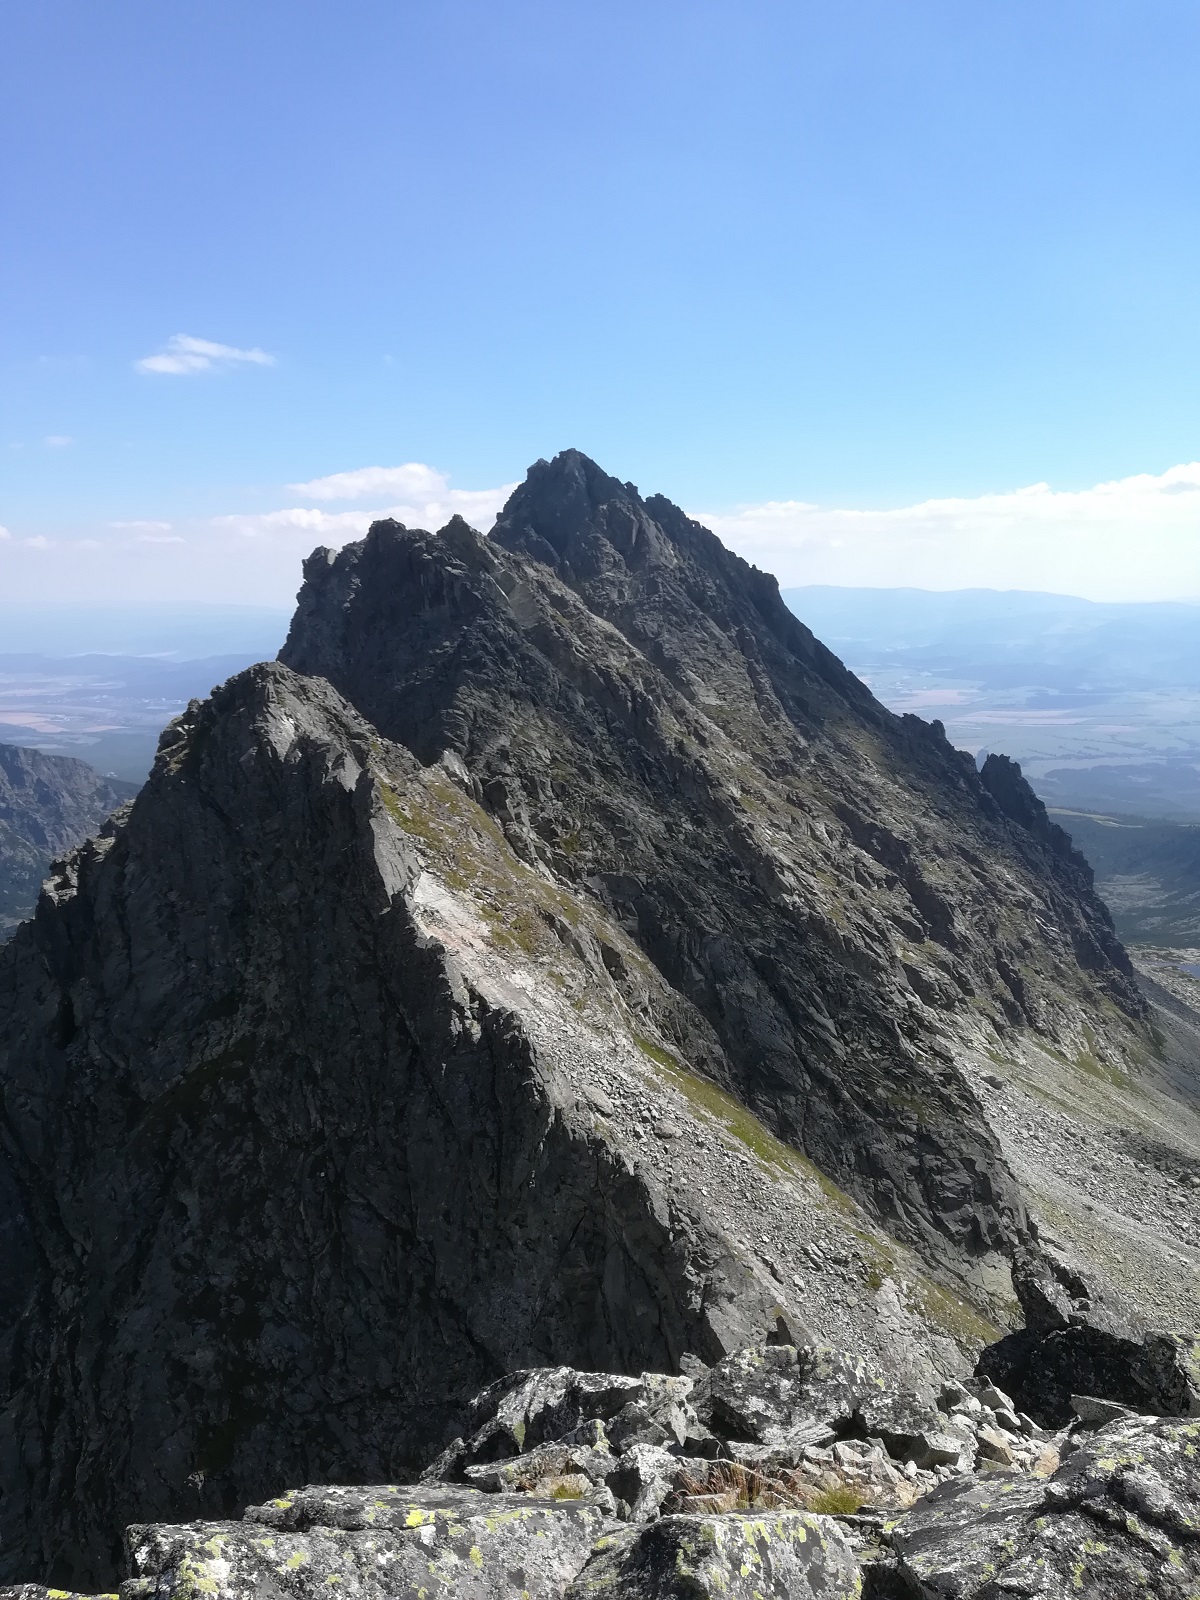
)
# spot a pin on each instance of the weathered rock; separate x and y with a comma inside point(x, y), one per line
point(994, 1446)
point(1097, 1413)
point(330, 1074)
point(1119, 1518)
point(544, 1462)
point(644, 717)
point(784, 1395)
point(776, 1555)
point(526, 1409)
point(368, 1545)
point(290, 1163)
point(642, 1479)
point(910, 1429)
point(36, 1591)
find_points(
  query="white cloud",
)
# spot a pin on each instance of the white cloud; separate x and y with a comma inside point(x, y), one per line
point(4, 533)
point(334, 526)
point(428, 502)
point(57, 441)
point(1135, 538)
point(183, 355)
point(413, 479)
point(142, 526)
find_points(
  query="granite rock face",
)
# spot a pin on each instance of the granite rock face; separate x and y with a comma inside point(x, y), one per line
point(786, 1555)
point(291, 1161)
point(371, 1544)
point(48, 805)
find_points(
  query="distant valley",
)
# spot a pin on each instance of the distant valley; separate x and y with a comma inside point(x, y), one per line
point(1099, 703)
point(48, 805)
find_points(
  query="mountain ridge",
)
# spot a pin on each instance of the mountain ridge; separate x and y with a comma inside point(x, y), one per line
point(558, 957)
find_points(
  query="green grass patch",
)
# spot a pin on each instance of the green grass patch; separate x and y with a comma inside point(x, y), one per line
point(741, 1122)
point(960, 1319)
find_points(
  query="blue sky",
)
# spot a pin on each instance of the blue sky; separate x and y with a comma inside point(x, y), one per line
point(849, 258)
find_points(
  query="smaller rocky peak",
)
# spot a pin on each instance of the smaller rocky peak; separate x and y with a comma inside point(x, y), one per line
point(1002, 778)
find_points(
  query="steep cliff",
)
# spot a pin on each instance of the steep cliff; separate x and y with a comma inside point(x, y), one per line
point(320, 1109)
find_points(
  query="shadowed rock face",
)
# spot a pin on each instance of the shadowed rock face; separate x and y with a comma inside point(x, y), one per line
point(283, 1180)
point(823, 886)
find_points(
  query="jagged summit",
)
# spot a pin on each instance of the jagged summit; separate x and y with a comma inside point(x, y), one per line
point(825, 887)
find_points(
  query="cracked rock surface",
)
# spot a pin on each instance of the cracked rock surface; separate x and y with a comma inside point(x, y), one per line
point(1120, 1518)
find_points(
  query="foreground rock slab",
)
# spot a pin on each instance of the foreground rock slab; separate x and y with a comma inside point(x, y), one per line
point(780, 1555)
point(364, 1544)
point(1121, 1517)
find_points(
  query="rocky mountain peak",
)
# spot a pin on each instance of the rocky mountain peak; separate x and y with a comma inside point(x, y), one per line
point(556, 959)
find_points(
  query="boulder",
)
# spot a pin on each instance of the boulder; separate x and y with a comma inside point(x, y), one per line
point(368, 1544)
point(1154, 1373)
point(910, 1429)
point(37, 1591)
point(642, 1479)
point(529, 1408)
point(777, 1394)
point(1119, 1518)
point(776, 1555)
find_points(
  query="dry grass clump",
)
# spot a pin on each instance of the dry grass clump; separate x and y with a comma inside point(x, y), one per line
point(843, 1499)
point(560, 1486)
point(733, 1486)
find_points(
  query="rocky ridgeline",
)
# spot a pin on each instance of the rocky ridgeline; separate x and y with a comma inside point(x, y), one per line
point(781, 1473)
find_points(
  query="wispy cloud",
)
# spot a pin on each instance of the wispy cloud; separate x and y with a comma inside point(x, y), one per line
point(183, 355)
point(57, 441)
point(141, 525)
point(336, 526)
point(412, 480)
point(1135, 538)
point(424, 500)
point(4, 533)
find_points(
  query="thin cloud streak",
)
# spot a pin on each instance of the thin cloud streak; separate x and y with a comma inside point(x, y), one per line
point(413, 480)
point(183, 355)
point(1135, 538)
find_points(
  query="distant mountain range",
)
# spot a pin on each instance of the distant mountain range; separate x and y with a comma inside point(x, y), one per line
point(48, 805)
point(1099, 702)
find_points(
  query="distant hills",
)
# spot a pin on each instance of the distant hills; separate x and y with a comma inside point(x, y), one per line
point(1099, 702)
point(48, 805)
point(1148, 874)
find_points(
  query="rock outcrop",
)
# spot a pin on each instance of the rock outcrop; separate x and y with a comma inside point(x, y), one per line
point(1107, 1507)
point(1118, 1519)
point(48, 805)
point(559, 960)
